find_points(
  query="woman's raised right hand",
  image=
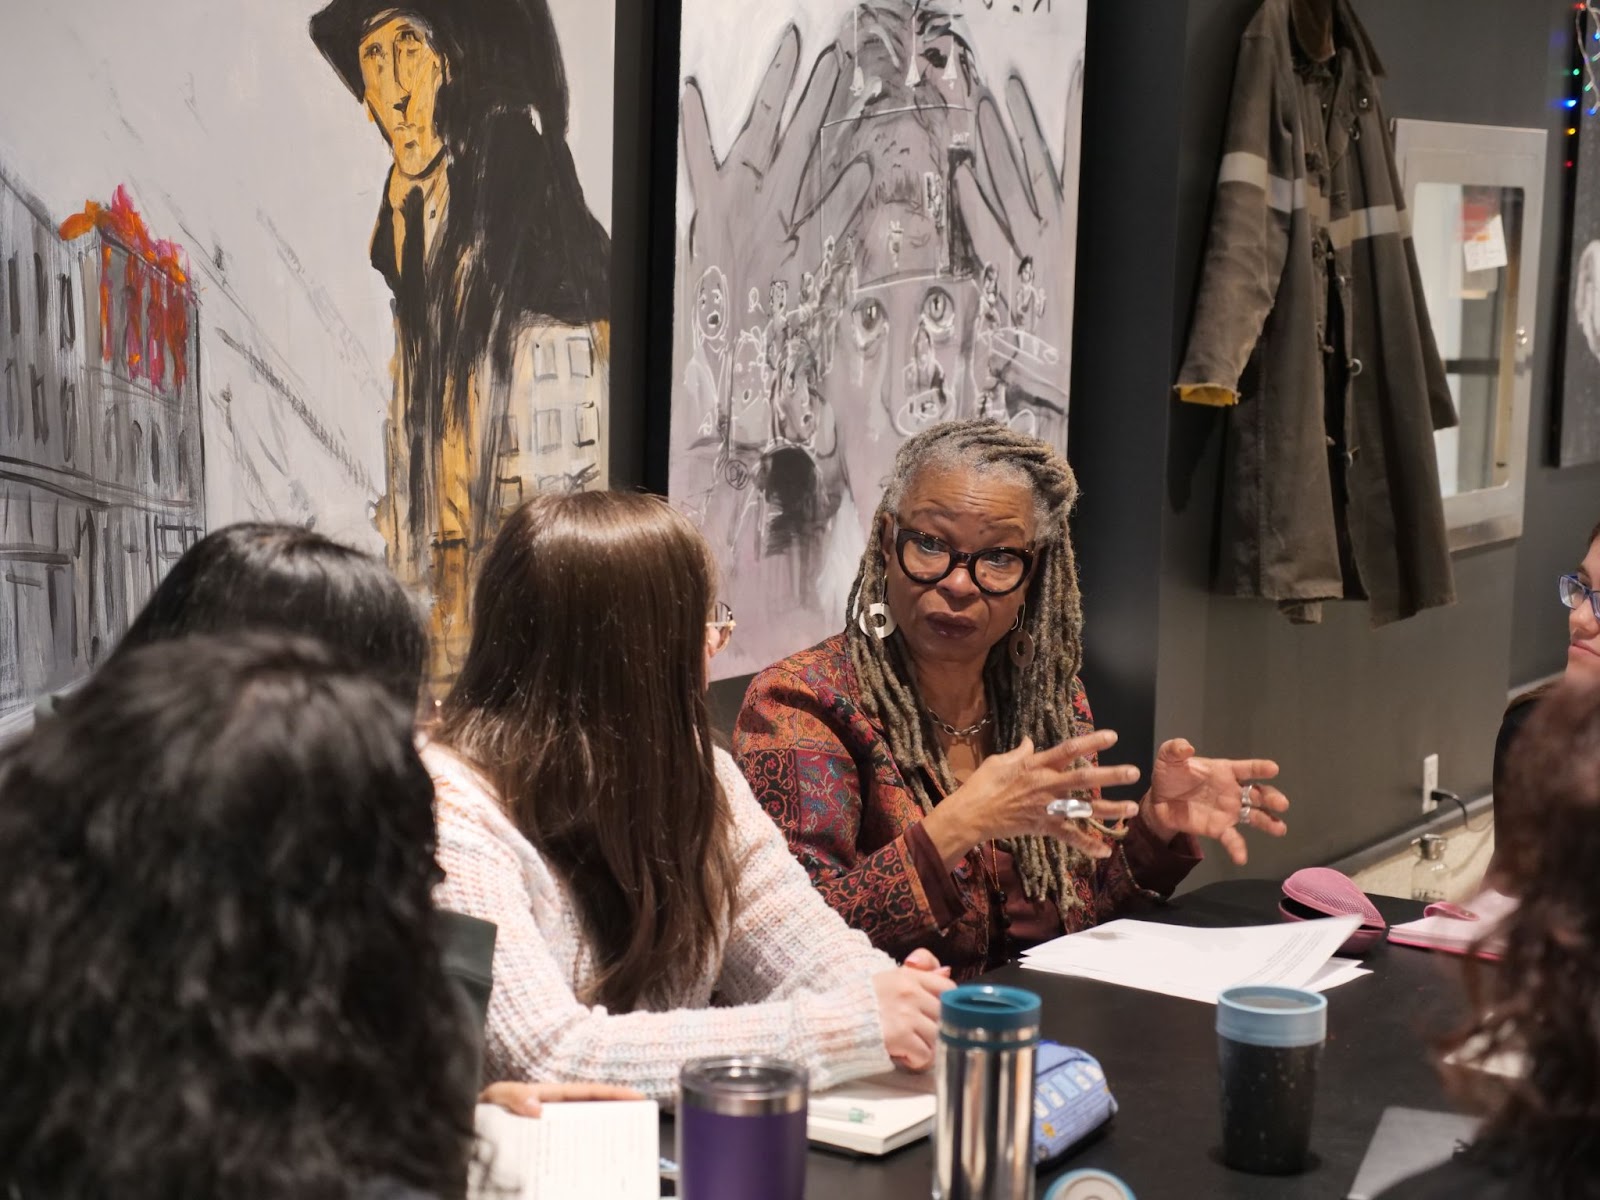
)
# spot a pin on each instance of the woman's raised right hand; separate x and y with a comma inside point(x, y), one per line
point(908, 1007)
point(1007, 795)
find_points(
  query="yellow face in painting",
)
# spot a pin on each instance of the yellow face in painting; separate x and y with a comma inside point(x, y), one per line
point(403, 73)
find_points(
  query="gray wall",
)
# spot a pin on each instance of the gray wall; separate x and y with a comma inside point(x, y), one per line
point(1348, 711)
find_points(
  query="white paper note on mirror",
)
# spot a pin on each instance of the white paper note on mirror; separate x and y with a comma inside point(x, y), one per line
point(1485, 248)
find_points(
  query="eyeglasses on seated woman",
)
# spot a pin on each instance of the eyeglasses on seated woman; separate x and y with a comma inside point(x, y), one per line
point(912, 759)
point(583, 809)
point(219, 974)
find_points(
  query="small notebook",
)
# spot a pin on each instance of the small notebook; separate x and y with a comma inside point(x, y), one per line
point(1408, 1142)
point(1454, 935)
point(571, 1151)
point(874, 1115)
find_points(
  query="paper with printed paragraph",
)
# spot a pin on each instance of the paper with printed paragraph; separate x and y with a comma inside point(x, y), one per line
point(1196, 964)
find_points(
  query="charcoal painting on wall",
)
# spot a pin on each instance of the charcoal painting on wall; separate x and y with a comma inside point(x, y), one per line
point(876, 221)
point(342, 263)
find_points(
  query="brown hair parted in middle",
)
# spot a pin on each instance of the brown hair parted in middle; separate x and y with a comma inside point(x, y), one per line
point(582, 699)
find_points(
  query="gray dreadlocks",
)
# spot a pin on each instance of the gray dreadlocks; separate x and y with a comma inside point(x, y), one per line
point(1035, 703)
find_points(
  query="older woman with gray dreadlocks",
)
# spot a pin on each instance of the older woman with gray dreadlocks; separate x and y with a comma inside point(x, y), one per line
point(919, 762)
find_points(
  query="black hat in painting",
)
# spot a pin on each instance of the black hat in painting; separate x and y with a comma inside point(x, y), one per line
point(500, 56)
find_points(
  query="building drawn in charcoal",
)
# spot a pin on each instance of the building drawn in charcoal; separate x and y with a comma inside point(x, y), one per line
point(101, 462)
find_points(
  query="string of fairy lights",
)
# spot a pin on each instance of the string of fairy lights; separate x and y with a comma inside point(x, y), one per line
point(1586, 75)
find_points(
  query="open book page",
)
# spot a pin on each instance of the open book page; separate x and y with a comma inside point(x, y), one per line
point(873, 1115)
point(571, 1151)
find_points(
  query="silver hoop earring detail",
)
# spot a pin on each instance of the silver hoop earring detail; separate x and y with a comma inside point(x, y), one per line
point(1020, 645)
point(877, 620)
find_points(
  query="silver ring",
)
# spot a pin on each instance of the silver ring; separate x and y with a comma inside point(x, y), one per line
point(1246, 806)
point(1072, 809)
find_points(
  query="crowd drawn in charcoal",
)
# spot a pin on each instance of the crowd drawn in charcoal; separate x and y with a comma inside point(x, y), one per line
point(898, 254)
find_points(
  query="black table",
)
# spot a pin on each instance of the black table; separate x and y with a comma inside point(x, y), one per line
point(1160, 1057)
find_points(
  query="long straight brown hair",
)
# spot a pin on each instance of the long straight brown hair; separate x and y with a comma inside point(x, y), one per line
point(582, 699)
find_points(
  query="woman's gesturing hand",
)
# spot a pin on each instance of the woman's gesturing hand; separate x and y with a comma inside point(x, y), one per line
point(908, 1006)
point(1205, 797)
point(1008, 793)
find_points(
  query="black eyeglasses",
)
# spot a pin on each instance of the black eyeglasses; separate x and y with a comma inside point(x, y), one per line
point(925, 559)
point(1574, 591)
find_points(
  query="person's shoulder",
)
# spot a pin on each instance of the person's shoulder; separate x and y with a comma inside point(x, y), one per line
point(824, 669)
point(741, 800)
point(1520, 709)
point(1516, 716)
point(461, 791)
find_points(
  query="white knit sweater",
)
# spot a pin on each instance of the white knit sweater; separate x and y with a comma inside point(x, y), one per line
point(796, 978)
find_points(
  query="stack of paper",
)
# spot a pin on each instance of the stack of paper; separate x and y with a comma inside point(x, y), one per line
point(585, 1151)
point(873, 1116)
point(1196, 964)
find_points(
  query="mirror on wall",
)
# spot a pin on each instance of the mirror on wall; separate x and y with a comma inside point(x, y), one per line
point(1475, 196)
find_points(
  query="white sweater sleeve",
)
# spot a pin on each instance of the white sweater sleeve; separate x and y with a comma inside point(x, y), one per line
point(785, 939)
point(539, 1030)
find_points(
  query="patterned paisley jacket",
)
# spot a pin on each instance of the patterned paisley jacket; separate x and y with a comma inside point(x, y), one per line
point(823, 771)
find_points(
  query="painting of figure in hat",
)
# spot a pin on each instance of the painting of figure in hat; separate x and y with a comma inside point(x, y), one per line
point(498, 271)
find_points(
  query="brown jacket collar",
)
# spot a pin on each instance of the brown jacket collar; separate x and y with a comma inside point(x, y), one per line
point(1321, 27)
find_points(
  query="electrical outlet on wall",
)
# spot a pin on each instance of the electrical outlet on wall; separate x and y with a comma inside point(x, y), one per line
point(1430, 783)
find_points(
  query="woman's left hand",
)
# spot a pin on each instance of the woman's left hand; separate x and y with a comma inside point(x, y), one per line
point(1205, 797)
point(526, 1099)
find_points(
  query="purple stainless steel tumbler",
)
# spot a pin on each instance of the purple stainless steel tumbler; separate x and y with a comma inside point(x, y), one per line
point(742, 1129)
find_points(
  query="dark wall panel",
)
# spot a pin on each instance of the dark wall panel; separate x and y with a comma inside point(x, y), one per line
point(1347, 710)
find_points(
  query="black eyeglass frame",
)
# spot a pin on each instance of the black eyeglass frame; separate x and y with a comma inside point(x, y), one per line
point(960, 558)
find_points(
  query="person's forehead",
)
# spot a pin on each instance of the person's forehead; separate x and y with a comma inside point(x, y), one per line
point(988, 498)
point(1590, 566)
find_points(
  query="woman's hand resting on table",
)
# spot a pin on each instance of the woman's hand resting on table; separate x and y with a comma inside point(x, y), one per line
point(908, 1006)
point(527, 1099)
point(1204, 797)
point(1007, 795)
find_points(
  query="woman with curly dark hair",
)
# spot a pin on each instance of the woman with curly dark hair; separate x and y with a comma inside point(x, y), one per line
point(267, 576)
point(218, 969)
point(1542, 999)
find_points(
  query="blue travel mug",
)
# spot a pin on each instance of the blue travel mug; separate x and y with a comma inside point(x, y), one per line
point(742, 1129)
point(1269, 1042)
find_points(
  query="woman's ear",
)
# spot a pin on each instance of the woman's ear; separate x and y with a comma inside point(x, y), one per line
point(886, 537)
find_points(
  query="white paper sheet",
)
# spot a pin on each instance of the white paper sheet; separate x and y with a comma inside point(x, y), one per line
point(582, 1151)
point(1336, 971)
point(1196, 964)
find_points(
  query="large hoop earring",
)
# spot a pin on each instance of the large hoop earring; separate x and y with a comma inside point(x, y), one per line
point(1020, 645)
point(877, 621)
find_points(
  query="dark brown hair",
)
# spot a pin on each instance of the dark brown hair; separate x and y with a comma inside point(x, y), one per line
point(582, 699)
point(1543, 997)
